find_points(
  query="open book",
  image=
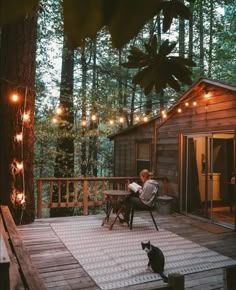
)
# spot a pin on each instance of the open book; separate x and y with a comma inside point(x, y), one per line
point(134, 186)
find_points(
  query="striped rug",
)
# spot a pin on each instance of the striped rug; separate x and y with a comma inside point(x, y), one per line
point(114, 258)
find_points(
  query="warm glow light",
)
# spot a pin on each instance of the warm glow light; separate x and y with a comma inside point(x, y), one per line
point(19, 165)
point(20, 196)
point(186, 104)
point(26, 117)
point(19, 137)
point(207, 95)
point(111, 122)
point(93, 118)
point(164, 116)
point(121, 120)
point(15, 98)
point(137, 118)
point(83, 123)
point(163, 112)
point(59, 110)
point(195, 103)
point(179, 110)
point(54, 120)
point(145, 118)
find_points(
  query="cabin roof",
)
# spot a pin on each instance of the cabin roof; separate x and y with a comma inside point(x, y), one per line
point(193, 91)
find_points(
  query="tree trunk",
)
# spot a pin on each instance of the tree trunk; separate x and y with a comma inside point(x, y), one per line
point(65, 150)
point(17, 75)
point(211, 38)
point(181, 36)
point(92, 168)
point(83, 97)
point(201, 38)
point(190, 42)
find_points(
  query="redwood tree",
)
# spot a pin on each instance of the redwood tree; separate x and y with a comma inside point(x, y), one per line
point(17, 75)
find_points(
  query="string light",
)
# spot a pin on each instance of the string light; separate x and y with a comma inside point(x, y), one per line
point(54, 120)
point(186, 104)
point(145, 119)
point(121, 120)
point(26, 117)
point(19, 137)
point(15, 98)
point(179, 110)
point(19, 165)
point(83, 123)
point(59, 111)
point(93, 117)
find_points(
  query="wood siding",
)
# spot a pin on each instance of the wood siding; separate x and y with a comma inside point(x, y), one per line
point(125, 148)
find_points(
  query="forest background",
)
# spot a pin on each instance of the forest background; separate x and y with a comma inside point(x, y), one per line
point(101, 88)
point(88, 90)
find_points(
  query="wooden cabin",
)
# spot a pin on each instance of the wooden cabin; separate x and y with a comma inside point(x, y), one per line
point(194, 146)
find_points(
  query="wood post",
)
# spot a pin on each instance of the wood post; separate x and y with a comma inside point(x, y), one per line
point(230, 278)
point(85, 197)
point(176, 281)
point(39, 199)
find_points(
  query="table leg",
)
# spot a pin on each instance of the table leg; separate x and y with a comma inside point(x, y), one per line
point(117, 216)
point(109, 209)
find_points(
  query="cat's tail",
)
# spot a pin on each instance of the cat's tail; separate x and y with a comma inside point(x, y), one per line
point(164, 277)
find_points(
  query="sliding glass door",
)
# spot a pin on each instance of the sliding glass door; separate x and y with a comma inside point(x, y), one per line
point(207, 169)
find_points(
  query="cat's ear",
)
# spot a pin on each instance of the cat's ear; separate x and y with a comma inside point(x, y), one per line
point(149, 242)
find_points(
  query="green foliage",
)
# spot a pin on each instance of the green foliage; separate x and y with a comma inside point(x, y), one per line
point(159, 69)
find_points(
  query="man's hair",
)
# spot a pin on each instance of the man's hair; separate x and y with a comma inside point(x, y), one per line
point(145, 173)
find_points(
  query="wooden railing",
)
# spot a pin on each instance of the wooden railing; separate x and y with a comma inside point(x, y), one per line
point(82, 192)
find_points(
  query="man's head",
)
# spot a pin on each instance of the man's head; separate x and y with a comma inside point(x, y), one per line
point(144, 175)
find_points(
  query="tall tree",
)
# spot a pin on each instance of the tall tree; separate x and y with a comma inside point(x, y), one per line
point(17, 74)
point(65, 156)
point(201, 38)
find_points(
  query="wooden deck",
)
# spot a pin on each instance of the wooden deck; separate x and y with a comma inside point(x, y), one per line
point(60, 270)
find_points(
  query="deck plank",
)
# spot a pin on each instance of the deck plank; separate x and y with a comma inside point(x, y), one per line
point(61, 271)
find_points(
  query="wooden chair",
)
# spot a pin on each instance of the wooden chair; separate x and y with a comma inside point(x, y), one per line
point(145, 208)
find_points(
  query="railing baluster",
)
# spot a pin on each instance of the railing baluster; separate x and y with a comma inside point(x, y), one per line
point(85, 197)
point(76, 193)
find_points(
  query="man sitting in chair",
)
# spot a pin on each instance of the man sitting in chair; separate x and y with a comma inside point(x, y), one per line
point(142, 199)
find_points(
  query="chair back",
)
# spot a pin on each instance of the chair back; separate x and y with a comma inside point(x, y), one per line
point(155, 193)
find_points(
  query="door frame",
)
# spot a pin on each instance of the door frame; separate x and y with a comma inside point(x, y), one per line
point(184, 172)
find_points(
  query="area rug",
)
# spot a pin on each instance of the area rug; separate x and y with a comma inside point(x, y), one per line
point(114, 258)
point(215, 229)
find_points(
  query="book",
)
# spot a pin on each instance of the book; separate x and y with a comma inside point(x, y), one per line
point(134, 186)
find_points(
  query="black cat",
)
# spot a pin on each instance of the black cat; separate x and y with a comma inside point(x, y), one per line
point(156, 259)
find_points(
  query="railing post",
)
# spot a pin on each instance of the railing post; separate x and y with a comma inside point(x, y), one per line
point(39, 199)
point(176, 281)
point(85, 197)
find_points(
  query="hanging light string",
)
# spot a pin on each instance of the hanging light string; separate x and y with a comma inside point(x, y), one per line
point(22, 144)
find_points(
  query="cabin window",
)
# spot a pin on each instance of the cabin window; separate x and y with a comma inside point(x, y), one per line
point(143, 159)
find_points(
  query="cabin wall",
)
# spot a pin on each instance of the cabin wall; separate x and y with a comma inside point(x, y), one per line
point(214, 114)
point(125, 148)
